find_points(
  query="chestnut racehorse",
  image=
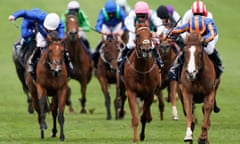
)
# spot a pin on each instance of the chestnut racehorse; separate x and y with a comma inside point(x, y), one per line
point(198, 85)
point(142, 78)
point(80, 57)
point(51, 80)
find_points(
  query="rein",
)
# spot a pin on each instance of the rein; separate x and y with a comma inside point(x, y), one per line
point(141, 72)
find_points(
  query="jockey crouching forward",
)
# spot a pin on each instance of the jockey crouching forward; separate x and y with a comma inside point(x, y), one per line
point(110, 21)
point(73, 8)
point(141, 13)
point(207, 28)
point(28, 32)
point(46, 23)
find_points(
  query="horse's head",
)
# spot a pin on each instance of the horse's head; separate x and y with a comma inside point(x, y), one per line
point(193, 53)
point(144, 44)
point(55, 56)
point(72, 26)
point(110, 51)
point(164, 45)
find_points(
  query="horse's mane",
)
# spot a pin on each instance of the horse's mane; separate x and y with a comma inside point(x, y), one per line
point(194, 38)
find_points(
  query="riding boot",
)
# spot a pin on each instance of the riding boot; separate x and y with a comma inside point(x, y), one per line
point(217, 61)
point(173, 72)
point(18, 45)
point(33, 61)
point(122, 59)
point(86, 43)
point(96, 54)
point(180, 42)
point(158, 58)
point(68, 61)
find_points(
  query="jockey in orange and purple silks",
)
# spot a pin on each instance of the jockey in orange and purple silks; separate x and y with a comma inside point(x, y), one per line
point(207, 28)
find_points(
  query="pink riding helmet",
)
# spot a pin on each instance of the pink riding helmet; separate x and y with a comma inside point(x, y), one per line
point(141, 7)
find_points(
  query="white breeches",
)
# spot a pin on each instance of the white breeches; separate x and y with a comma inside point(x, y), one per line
point(131, 43)
point(211, 45)
point(41, 41)
point(110, 30)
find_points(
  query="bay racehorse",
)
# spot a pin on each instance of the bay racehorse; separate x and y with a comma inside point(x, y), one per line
point(168, 50)
point(51, 80)
point(107, 68)
point(20, 58)
point(80, 57)
point(142, 78)
point(198, 85)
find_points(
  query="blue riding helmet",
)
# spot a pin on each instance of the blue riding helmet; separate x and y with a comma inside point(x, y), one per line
point(110, 6)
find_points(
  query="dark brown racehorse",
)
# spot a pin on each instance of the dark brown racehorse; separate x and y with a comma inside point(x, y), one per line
point(107, 67)
point(20, 58)
point(198, 85)
point(51, 80)
point(80, 57)
point(142, 78)
point(168, 50)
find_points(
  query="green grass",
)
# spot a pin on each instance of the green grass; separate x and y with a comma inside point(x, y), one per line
point(17, 126)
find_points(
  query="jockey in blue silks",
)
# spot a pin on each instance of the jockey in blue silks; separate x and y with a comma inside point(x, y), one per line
point(207, 28)
point(46, 23)
point(110, 21)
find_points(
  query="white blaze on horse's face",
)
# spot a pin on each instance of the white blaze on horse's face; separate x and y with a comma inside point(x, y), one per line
point(146, 48)
point(191, 66)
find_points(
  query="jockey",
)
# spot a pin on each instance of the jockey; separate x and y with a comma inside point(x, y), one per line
point(28, 31)
point(207, 28)
point(166, 14)
point(46, 23)
point(141, 13)
point(110, 20)
point(124, 5)
point(83, 23)
point(196, 6)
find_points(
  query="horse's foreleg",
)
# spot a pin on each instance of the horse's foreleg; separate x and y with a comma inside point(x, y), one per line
point(104, 87)
point(172, 91)
point(187, 100)
point(83, 97)
point(43, 125)
point(61, 106)
point(208, 107)
point(54, 115)
point(146, 117)
point(160, 104)
point(132, 106)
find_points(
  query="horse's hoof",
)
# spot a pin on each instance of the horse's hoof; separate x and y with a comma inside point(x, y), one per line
point(109, 117)
point(30, 110)
point(202, 141)
point(83, 111)
point(42, 134)
point(175, 118)
point(62, 138)
point(142, 137)
point(188, 139)
point(216, 109)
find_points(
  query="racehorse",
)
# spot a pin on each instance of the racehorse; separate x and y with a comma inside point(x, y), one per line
point(80, 57)
point(168, 50)
point(51, 80)
point(198, 85)
point(142, 78)
point(20, 58)
point(107, 67)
